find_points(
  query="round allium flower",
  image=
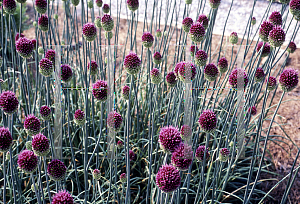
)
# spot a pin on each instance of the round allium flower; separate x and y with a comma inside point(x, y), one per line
point(294, 8)
point(288, 79)
point(50, 54)
point(108, 34)
point(271, 83)
point(133, 5)
point(62, 197)
point(24, 47)
point(204, 20)
point(158, 33)
point(19, 36)
point(168, 178)
point(171, 79)
point(94, 67)
point(114, 120)
point(208, 121)
point(223, 65)
point(180, 70)
point(75, 2)
point(32, 125)
point(132, 63)
point(66, 73)
point(45, 113)
point(214, 3)
point(233, 77)
point(40, 145)
point(57, 170)
point(276, 18)
point(33, 41)
point(107, 22)
point(89, 32)
point(233, 38)
point(252, 110)
point(276, 36)
point(100, 90)
point(8, 102)
point(266, 50)
point(291, 48)
point(186, 24)
point(193, 50)
point(123, 178)
point(186, 132)
point(253, 21)
point(197, 32)
point(155, 76)
point(46, 67)
point(211, 72)
point(43, 23)
point(79, 117)
point(200, 151)
point(41, 6)
point(132, 155)
point(147, 39)
point(264, 30)
point(98, 22)
point(201, 58)
point(169, 138)
point(27, 161)
point(125, 92)
point(99, 3)
point(105, 8)
point(182, 157)
point(90, 4)
point(28, 145)
point(259, 74)
point(40, 50)
point(96, 174)
point(157, 58)
point(6, 139)
point(224, 154)
point(9, 6)
point(120, 144)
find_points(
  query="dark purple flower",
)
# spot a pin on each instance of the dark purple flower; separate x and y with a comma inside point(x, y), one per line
point(157, 58)
point(105, 8)
point(252, 110)
point(94, 67)
point(99, 3)
point(19, 36)
point(204, 20)
point(193, 50)
point(197, 32)
point(266, 50)
point(171, 79)
point(259, 74)
point(56, 170)
point(224, 154)
point(123, 178)
point(120, 144)
point(253, 21)
point(288, 79)
point(27, 161)
point(147, 39)
point(169, 138)
point(294, 8)
point(125, 92)
point(271, 83)
point(168, 178)
point(96, 174)
point(276, 18)
point(46, 67)
point(234, 75)
point(50, 54)
point(223, 65)
point(182, 157)
point(33, 41)
point(292, 47)
point(214, 3)
point(66, 73)
point(6, 139)
point(9, 102)
point(264, 30)
point(155, 76)
point(9, 6)
point(180, 70)
point(186, 24)
point(201, 58)
point(133, 5)
point(132, 155)
point(79, 117)
point(40, 145)
point(186, 132)
point(132, 63)
point(89, 32)
point(62, 197)
point(107, 22)
point(208, 121)
point(233, 38)
point(43, 23)
point(41, 6)
point(100, 90)
point(211, 72)
point(276, 36)
point(114, 120)
point(32, 125)
point(24, 47)
point(200, 151)
point(45, 113)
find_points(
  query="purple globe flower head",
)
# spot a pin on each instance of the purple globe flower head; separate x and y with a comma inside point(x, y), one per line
point(294, 8)
point(120, 144)
point(271, 83)
point(75, 2)
point(259, 74)
point(9, 6)
point(168, 178)
point(292, 47)
point(180, 70)
point(9, 102)
point(276, 36)
point(105, 8)
point(214, 3)
point(186, 132)
point(79, 117)
point(89, 32)
point(264, 30)
point(46, 67)
point(99, 3)
point(275, 18)
point(211, 72)
point(43, 23)
point(98, 22)
point(224, 154)
point(107, 22)
point(208, 121)
point(41, 6)
point(24, 47)
point(27, 161)
point(96, 174)
point(133, 5)
point(19, 36)
point(132, 63)
point(204, 20)
point(6, 139)
point(28, 145)
point(62, 197)
point(233, 38)
point(157, 58)
point(132, 155)
point(169, 138)
point(197, 32)
point(125, 92)
point(147, 39)
point(33, 41)
point(40, 145)
point(223, 65)
point(123, 178)
point(32, 125)
point(66, 73)
point(186, 24)
point(100, 90)
point(252, 110)
point(288, 79)
point(234, 75)
point(45, 113)
point(56, 170)
point(200, 151)
point(171, 79)
point(266, 50)
point(94, 67)
point(193, 50)
point(50, 54)
point(158, 33)
point(155, 76)
point(114, 120)
point(253, 21)
point(182, 157)
point(201, 58)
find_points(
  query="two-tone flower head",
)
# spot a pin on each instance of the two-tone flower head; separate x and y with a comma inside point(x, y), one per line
point(24, 47)
point(75, 2)
point(43, 23)
point(133, 5)
point(50, 54)
point(200, 151)
point(19, 36)
point(9, 102)
point(32, 125)
point(208, 121)
point(252, 110)
point(288, 79)
point(204, 20)
point(56, 170)
point(107, 22)
point(66, 73)
point(169, 138)
point(123, 178)
point(99, 3)
point(271, 83)
point(275, 18)
point(182, 157)
point(40, 145)
point(201, 58)
point(62, 197)
point(266, 49)
point(114, 120)
point(253, 21)
point(171, 79)
point(193, 50)
point(168, 178)
point(90, 4)
point(28, 145)
point(233, 38)
point(276, 36)
point(41, 6)
point(264, 30)
point(186, 132)
point(224, 154)
point(211, 72)
point(186, 24)
point(259, 74)
point(98, 22)
point(132, 63)
point(96, 174)
point(223, 65)
point(233, 77)
point(214, 3)
point(93, 66)
point(132, 155)
point(197, 32)
point(147, 39)
point(9, 6)
point(79, 117)
point(105, 8)
point(6, 139)
point(120, 144)
point(27, 161)
point(125, 92)
point(158, 33)
point(291, 48)
point(157, 58)
point(155, 76)
point(89, 32)
point(185, 70)
point(294, 8)
point(45, 113)
point(46, 67)
point(100, 90)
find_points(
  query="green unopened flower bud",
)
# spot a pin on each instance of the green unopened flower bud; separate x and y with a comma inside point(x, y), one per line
point(63, 42)
point(188, 1)
point(7, 156)
point(90, 4)
point(231, 144)
point(34, 23)
point(55, 16)
point(108, 34)
point(28, 145)
point(75, 2)
point(40, 50)
point(98, 22)
point(165, 33)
